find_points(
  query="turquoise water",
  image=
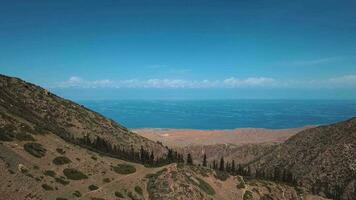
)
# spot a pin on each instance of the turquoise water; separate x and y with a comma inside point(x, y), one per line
point(223, 114)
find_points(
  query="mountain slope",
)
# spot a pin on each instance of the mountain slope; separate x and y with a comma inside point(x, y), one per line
point(39, 111)
point(97, 177)
point(322, 159)
point(52, 148)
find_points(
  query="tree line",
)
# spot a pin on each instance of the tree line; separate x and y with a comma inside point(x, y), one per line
point(142, 156)
point(230, 167)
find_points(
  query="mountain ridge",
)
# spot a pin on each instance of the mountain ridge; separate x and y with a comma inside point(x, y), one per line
point(47, 112)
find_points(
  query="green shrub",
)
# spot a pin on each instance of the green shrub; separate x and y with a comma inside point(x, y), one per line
point(6, 133)
point(39, 130)
point(106, 180)
point(74, 174)
point(60, 151)
point(138, 189)
point(77, 193)
point(61, 198)
point(24, 137)
point(151, 183)
point(35, 149)
point(50, 173)
point(241, 185)
point(124, 169)
point(247, 195)
point(205, 186)
point(61, 160)
point(97, 198)
point(119, 194)
point(47, 187)
point(61, 181)
point(93, 187)
point(132, 196)
point(223, 176)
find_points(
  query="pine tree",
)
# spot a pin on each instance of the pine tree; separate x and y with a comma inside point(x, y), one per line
point(222, 164)
point(204, 161)
point(189, 159)
point(152, 158)
point(227, 166)
point(170, 155)
point(142, 155)
point(132, 153)
point(214, 164)
point(233, 170)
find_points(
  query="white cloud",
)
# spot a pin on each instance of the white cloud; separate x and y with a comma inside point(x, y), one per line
point(252, 81)
point(312, 62)
point(347, 79)
point(232, 82)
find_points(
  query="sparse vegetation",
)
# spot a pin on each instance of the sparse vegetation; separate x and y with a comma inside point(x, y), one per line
point(132, 196)
point(93, 187)
point(106, 180)
point(77, 194)
point(74, 174)
point(47, 187)
point(6, 133)
point(50, 173)
point(61, 198)
point(124, 169)
point(61, 160)
point(21, 136)
point(119, 194)
point(205, 186)
point(97, 198)
point(61, 181)
point(35, 149)
point(138, 189)
point(241, 184)
point(60, 151)
point(39, 130)
point(151, 184)
point(247, 195)
point(221, 175)
point(266, 197)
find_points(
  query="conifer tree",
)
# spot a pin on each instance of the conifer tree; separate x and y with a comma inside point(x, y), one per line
point(189, 159)
point(222, 164)
point(204, 161)
point(233, 170)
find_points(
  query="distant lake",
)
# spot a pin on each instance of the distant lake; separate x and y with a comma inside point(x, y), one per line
point(223, 114)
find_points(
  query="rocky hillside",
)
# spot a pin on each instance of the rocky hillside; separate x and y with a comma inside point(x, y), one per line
point(322, 159)
point(45, 167)
point(52, 148)
point(26, 109)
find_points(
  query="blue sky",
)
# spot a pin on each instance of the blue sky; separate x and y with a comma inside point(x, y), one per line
point(182, 49)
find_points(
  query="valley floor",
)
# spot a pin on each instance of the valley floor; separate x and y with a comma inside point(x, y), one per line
point(189, 137)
